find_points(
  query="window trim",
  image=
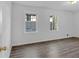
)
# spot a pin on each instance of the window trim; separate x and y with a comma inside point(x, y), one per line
point(32, 21)
point(52, 22)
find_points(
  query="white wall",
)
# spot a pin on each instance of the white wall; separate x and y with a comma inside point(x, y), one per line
point(76, 24)
point(0, 21)
point(5, 36)
point(43, 34)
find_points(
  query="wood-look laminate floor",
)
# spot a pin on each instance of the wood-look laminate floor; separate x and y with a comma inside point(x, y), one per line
point(66, 48)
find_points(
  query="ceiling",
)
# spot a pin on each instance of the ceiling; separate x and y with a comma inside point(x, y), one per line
point(58, 5)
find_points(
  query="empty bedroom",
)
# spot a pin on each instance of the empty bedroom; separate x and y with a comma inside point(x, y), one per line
point(39, 29)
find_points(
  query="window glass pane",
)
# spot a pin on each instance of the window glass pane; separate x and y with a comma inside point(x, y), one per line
point(53, 23)
point(50, 25)
point(51, 19)
point(30, 26)
point(33, 26)
point(28, 17)
point(33, 18)
point(30, 23)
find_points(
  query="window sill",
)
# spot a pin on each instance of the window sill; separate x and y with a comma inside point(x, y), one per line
point(31, 32)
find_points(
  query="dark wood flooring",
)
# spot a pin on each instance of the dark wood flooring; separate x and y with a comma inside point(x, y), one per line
point(66, 48)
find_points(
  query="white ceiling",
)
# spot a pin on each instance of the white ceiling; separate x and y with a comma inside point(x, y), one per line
point(59, 5)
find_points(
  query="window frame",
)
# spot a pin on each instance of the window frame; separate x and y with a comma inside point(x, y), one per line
point(56, 24)
point(31, 21)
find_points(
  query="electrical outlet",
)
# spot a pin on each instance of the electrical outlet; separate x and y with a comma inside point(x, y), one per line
point(67, 35)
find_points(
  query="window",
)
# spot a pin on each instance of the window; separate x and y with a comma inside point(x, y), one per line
point(30, 23)
point(53, 23)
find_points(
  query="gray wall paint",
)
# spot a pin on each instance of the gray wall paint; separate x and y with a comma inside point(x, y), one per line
point(6, 29)
point(76, 24)
point(43, 34)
